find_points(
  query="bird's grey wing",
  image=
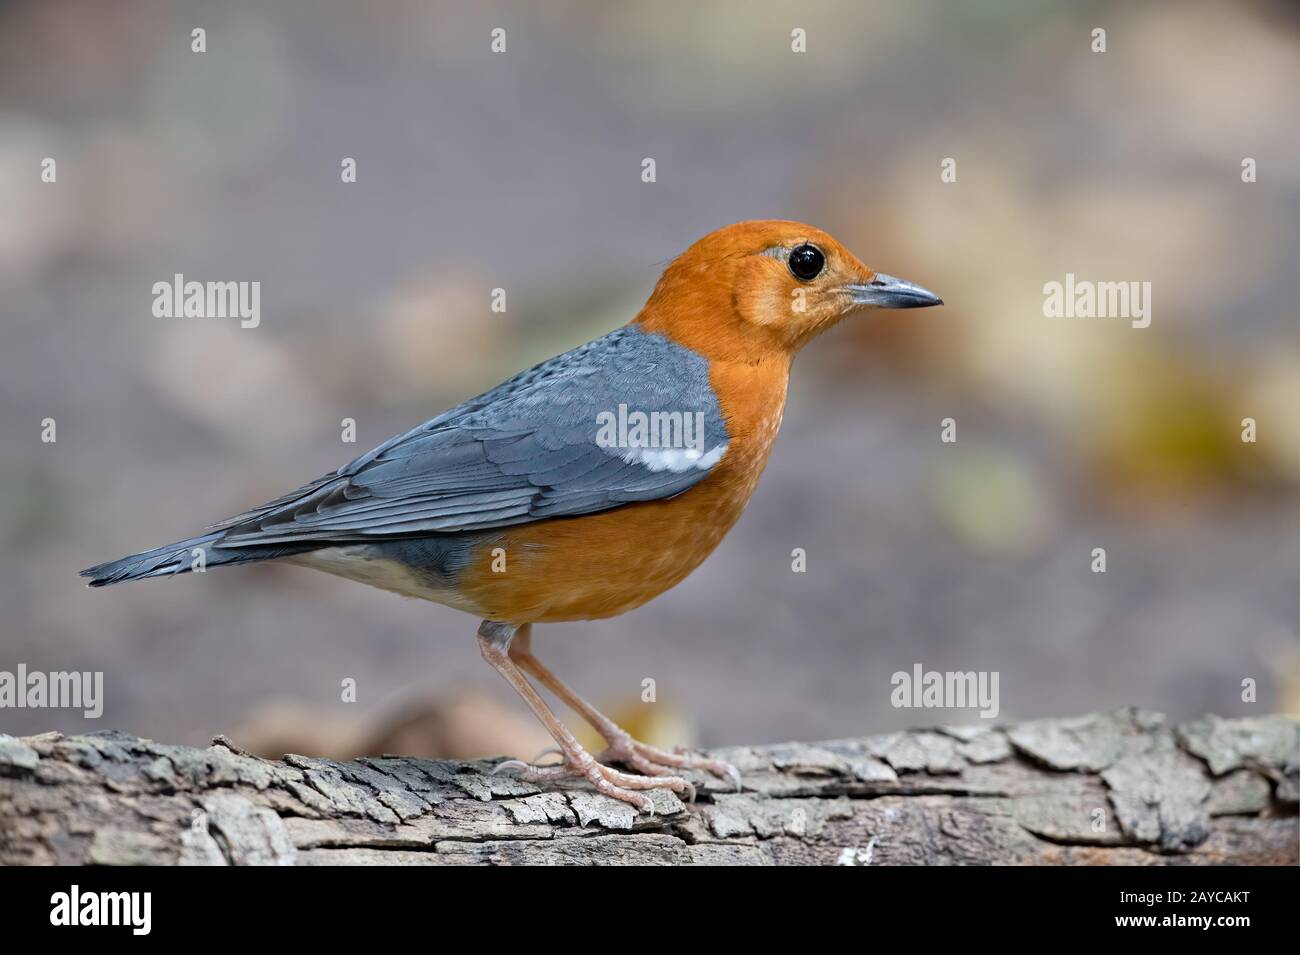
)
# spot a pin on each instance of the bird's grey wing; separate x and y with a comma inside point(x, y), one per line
point(532, 448)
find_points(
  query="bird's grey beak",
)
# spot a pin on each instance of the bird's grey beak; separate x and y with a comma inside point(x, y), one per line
point(885, 291)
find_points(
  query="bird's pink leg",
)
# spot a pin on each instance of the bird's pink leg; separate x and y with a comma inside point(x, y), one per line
point(494, 643)
point(623, 747)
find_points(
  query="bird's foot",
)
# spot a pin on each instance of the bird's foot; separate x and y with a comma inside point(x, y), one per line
point(623, 748)
point(580, 764)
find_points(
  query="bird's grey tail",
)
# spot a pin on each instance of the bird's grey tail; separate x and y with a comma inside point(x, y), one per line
point(184, 556)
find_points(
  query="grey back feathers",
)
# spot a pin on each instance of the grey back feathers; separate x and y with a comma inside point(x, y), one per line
point(527, 450)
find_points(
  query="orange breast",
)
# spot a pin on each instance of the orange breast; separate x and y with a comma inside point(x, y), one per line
point(601, 565)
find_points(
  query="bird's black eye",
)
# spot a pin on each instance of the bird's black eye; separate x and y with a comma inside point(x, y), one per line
point(806, 262)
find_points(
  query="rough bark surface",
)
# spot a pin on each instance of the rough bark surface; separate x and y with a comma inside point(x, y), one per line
point(1110, 788)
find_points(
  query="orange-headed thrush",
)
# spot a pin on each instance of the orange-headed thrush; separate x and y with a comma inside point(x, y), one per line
point(582, 487)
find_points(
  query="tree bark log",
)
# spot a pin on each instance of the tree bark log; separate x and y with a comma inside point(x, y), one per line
point(1110, 788)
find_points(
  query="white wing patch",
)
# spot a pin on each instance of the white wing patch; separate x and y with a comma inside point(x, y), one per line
point(675, 460)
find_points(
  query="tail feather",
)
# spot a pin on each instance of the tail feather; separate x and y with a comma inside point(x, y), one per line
point(183, 556)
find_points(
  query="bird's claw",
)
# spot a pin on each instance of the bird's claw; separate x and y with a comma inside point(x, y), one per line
point(655, 762)
point(604, 779)
point(718, 767)
point(519, 766)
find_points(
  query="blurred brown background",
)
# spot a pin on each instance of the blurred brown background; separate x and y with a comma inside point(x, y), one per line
point(522, 171)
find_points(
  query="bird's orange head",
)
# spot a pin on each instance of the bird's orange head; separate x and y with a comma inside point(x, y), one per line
point(765, 288)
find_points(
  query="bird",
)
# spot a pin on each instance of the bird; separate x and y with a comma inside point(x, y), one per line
point(582, 487)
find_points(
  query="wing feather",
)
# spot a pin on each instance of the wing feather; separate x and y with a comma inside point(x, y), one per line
point(525, 451)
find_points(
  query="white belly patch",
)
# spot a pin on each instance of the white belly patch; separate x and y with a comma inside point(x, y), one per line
point(361, 563)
